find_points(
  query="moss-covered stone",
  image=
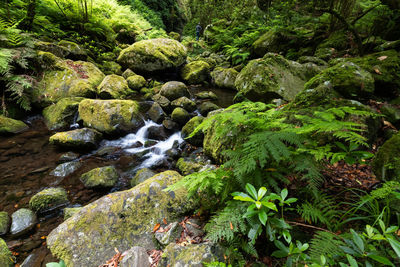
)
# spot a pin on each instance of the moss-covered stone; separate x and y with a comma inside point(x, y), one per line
point(207, 107)
point(174, 35)
point(6, 257)
point(100, 177)
point(111, 67)
point(11, 126)
point(338, 40)
point(4, 222)
point(122, 219)
point(325, 53)
point(68, 78)
point(153, 55)
point(196, 72)
point(51, 48)
point(162, 101)
point(197, 139)
point(81, 139)
point(188, 166)
point(111, 116)
point(348, 79)
point(136, 82)
point(48, 199)
point(69, 212)
point(386, 163)
point(141, 176)
point(74, 51)
point(224, 77)
point(113, 86)
point(180, 116)
point(127, 73)
point(270, 77)
point(174, 90)
point(61, 115)
point(315, 60)
point(184, 103)
point(191, 255)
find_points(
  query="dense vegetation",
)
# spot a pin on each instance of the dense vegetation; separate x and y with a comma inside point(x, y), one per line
point(269, 195)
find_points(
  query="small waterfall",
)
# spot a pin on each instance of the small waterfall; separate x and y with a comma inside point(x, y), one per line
point(75, 124)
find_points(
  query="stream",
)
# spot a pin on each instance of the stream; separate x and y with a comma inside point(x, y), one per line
point(28, 164)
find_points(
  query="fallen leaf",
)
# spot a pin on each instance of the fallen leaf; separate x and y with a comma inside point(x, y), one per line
point(43, 237)
point(164, 221)
point(382, 58)
point(377, 71)
point(230, 223)
point(156, 227)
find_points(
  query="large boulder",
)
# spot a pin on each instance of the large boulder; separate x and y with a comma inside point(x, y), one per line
point(174, 90)
point(6, 257)
point(111, 116)
point(224, 77)
point(100, 177)
point(386, 163)
point(196, 72)
point(61, 114)
point(114, 86)
point(48, 199)
point(11, 126)
point(81, 139)
point(197, 139)
point(118, 220)
point(63, 49)
point(153, 55)
point(66, 78)
point(270, 77)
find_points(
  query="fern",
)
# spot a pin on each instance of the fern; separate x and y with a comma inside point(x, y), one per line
point(325, 243)
point(19, 86)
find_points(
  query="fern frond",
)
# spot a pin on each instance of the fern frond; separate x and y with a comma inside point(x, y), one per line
point(325, 243)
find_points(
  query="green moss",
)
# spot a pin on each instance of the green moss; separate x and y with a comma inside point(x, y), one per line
point(187, 166)
point(110, 116)
point(337, 40)
point(196, 72)
point(6, 257)
point(224, 77)
point(180, 116)
point(114, 86)
point(84, 138)
point(11, 126)
point(61, 114)
point(111, 67)
point(100, 177)
point(69, 212)
point(4, 222)
point(386, 163)
point(136, 82)
point(48, 199)
point(184, 103)
point(73, 49)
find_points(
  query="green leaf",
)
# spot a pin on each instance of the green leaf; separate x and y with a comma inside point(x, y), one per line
point(261, 193)
point(291, 200)
point(242, 197)
point(352, 261)
point(395, 245)
point(53, 264)
point(281, 246)
point(391, 229)
point(251, 190)
point(263, 217)
point(357, 240)
point(269, 205)
point(258, 204)
point(279, 254)
point(380, 259)
point(284, 193)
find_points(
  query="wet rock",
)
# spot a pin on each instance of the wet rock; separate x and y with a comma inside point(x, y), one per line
point(136, 82)
point(153, 55)
point(207, 107)
point(61, 115)
point(196, 72)
point(174, 90)
point(224, 77)
point(157, 133)
point(156, 113)
point(5, 255)
point(113, 86)
point(48, 199)
point(128, 73)
point(69, 156)
point(100, 177)
point(135, 257)
point(270, 77)
point(11, 126)
point(170, 125)
point(111, 116)
point(197, 139)
point(66, 169)
point(170, 236)
point(4, 222)
point(194, 227)
point(141, 176)
point(188, 166)
point(185, 103)
point(162, 101)
point(84, 138)
point(194, 255)
point(69, 212)
point(207, 95)
point(173, 153)
point(122, 219)
point(180, 116)
point(22, 221)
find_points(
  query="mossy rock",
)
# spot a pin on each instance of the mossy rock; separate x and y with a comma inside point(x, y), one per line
point(191, 255)
point(224, 77)
point(114, 87)
point(122, 219)
point(111, 116)
point(188, 166)
point(69, 212)
point(162, 101)
point(174, 35)
point(136, 82)
point(48, 199)
point(338, 40)
point(185, 103)
point(11, 126)
point(196, 72)
point(174, 90)
point(386, 163)
point(391, 112)
point(325, 53)
point(100, 177)
point(348, 79)
point(111, 67)
point(128, 73)
point(315, 60)
point(207, 107)
point(197, 139)
point(156, 113)
point(180, 116)
point(66, 79)
point(4, 222)
point(74, 51)
point(270, 77)
point(61, 115)
point(81, 139)
point(153, 55)
point(207, 95)
point(141, 176)
point(6, 257)
point(51, 48)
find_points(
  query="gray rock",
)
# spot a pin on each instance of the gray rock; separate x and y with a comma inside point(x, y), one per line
point(170, 236)
point(156, 113)
point(69, 156)
point(224, 77)
point(22, 221)
point(174, 90)
point(141, 176)
point(135, 257)
point(170, 125)
point(162, 101)
point(207, 95)
point(66, 169)
point(84, 138)
point(157, 133)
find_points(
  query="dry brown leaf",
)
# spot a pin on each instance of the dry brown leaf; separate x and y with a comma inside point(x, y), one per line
point(382, 58)
point(230, 223)
point(164, 221)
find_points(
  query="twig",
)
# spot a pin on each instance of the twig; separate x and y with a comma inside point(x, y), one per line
point(311, 226)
